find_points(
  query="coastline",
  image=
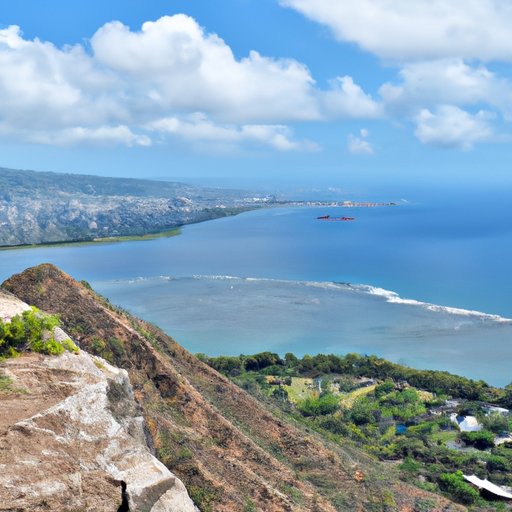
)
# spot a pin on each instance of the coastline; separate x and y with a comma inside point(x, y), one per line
point(168, 233)
point(310, 317)
point(217, 213)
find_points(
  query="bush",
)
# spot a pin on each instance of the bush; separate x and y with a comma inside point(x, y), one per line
point(32, 330)
point(481, 440)
point(364, 411)
point(325, 404)
point(453, 484)
point(496, 422)
point(384, 388)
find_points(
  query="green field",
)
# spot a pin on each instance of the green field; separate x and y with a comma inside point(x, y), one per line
point(300, 389)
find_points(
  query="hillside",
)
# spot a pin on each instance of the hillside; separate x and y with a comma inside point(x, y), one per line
point(44, 207)
point(232, 452)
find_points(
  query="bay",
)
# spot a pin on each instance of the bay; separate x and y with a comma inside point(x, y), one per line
point(275, 280)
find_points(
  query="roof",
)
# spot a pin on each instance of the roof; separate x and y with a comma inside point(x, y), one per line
point(493, 408)
point(488, 486)
point(466, 423)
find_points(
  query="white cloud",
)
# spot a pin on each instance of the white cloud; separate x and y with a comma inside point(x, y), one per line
point(447, 81)
point(358, 144)
point(419, 29)
point(169, 69)
point(197, 128)
point(186, 69)
point(347, 99)
point(450, 126)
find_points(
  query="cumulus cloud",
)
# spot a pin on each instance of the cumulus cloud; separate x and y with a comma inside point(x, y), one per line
point(419, 29)
point(198, 128)
point(439, 48)
point(359, 145)
point(347, 99)
point(447, 81)
point(129, 80)
point(450, 126)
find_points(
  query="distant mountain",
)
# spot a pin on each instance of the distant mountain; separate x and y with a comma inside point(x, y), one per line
point(44, 207)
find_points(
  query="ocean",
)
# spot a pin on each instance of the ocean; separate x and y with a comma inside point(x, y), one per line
point(425, 283)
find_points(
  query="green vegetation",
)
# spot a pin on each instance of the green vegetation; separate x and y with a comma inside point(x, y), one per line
point(453, 484)
point(6, 386)
point(481, 440)
point(5, 383)
point(112, 350)
point(393, 412)
point(326, 403)
point(32, 330)
point(203, 497)
point(82, 241)
point(355, 365)
point(134, 238)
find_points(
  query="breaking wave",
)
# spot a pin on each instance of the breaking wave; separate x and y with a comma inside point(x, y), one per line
point(388, 295)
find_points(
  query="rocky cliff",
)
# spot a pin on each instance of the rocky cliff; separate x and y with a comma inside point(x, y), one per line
point(72, 437)
point(232, 452)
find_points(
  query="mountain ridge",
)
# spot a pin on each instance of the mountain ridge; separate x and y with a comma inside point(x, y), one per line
point(45, 207)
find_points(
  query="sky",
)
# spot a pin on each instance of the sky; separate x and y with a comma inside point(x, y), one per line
point(366, 94)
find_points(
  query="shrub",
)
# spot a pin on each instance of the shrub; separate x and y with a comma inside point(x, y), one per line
point(31, 330)
point(70, 346)
point(325, 404)
point(481, 440)
point(363, 411)
point(453, 484)
point(384, 388)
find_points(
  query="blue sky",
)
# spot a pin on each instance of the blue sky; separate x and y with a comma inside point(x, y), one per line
point(373, 94)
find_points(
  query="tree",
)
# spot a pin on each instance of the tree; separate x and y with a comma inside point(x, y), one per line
point(325, 404)
point(290, 360)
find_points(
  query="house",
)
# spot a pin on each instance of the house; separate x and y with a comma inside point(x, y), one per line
point(364, 382)
point(466, 423)
point(492, 409)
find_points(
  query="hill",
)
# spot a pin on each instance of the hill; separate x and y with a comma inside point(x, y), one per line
point(232, 452)
point(46, 207)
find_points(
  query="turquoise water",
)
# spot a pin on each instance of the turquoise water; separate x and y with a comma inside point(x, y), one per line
point(274, 280)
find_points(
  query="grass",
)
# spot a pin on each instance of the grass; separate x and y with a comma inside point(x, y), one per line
point(5, 383)
point(105, 240)
point(349, 399)
point(445, 436)
point(6, 386)
point(300, 389)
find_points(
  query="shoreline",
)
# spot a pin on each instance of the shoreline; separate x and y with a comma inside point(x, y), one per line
point(177, 230)
point(168, 233)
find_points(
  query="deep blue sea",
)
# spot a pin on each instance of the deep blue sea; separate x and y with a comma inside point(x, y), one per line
point(281, 280)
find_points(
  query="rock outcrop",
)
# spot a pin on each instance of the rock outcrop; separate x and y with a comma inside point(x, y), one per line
point(72, 438)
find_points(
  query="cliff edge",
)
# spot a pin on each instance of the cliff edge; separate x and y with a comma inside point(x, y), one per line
point(72, 437)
